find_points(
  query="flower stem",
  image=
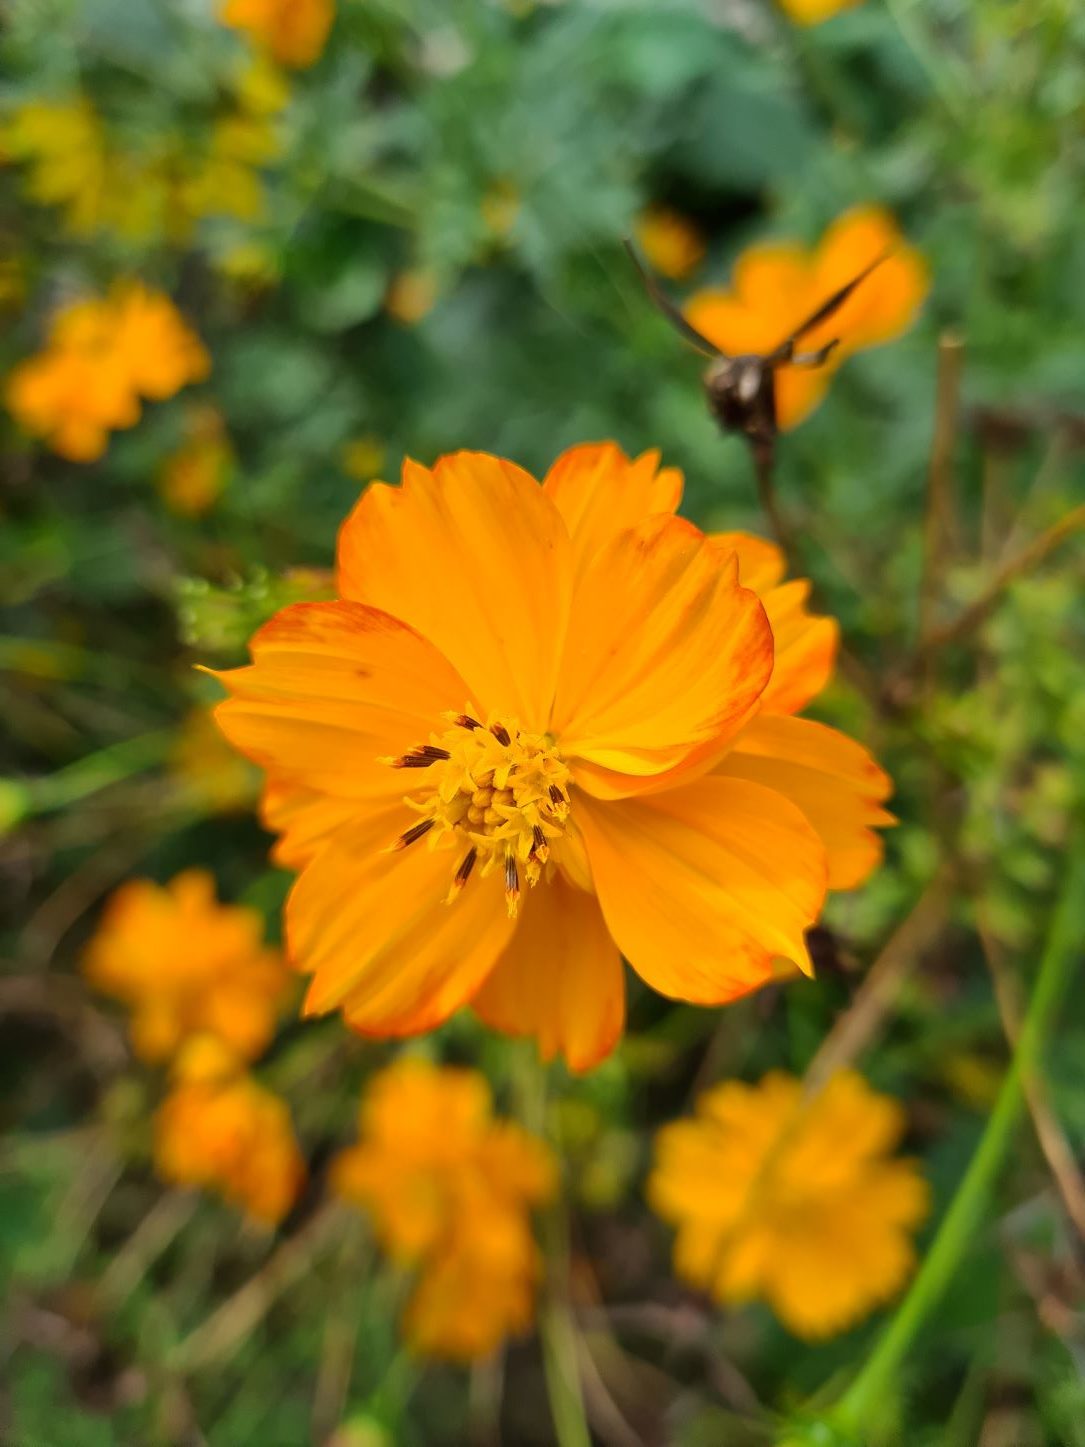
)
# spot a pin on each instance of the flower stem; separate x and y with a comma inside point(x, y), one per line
point(864, 1399)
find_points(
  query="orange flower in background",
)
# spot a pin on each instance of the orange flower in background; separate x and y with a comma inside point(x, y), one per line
point(672, 244)
point(813, 12)
point(102, 356)
point(795, 1201)
point(777, 285)
point(293, 32)
point(193, 478)
point(543, 727)
point(185, 965)
point(411, 295)
point(449, 1189)
point(219, 1129)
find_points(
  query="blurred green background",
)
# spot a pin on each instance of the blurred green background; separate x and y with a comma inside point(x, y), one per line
point(411, 246)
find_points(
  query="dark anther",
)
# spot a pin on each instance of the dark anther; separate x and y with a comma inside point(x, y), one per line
point(500, 733)
point(421, 758)
point(414, 832)
point(512, 876)
point(556, 796)
point(538, 839)
point(467, 863)
point(465, 721)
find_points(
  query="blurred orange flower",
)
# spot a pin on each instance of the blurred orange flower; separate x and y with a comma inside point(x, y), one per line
point(449, 1189)
point(218, 1128)
point(102, 355)
point(185, 964)
point(777, 285)
point(671, 242)
point(542, 726)
point(813, 12)
point(192, 479)
point(411, 295)
point(792, 1200)
point(211, 773)
point(292, 31)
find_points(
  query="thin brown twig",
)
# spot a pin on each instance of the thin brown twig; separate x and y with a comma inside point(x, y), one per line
point(166, 1219)
point(939, 515)
point(971, 617)
point(1053, 1143)
point(340, 1333)
point(857, 1026)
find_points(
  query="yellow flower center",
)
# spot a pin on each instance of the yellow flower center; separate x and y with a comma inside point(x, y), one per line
point(495, 792)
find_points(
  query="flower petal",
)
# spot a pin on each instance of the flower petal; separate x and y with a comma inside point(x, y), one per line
point(559, 979)
point(600, 492)
point(304, 818)
point(332, 688)
point(805, 644)
point(666, 658)
point(476, 557)
point(832, 779)
point(885, 304)
point(373, 929)
point(704, 886)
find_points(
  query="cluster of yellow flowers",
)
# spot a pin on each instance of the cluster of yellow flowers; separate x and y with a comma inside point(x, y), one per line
point(160, 189)
point(204, 993)
point(449, 1190)
point(103, 355)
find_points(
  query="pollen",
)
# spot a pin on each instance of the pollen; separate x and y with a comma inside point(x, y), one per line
point(494, 794)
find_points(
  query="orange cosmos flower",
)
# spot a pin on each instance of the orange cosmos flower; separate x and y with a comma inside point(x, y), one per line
point(102, 356)
point(293, 32)
point(543, 727)
point(221, 1130)
point(449, 1189)
point(813, 12)
point(184, 965)
point(793, 1200)
point(671, 243)
point(777, 285)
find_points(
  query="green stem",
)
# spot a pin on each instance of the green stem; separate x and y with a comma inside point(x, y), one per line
point(557, 1333)
point(94, 771)
point(948, 78)
point(864, 1401)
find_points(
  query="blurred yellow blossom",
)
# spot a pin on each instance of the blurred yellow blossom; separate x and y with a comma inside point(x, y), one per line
point(210, 772)
point(162, 188)
point(186, 965)
point(793, 1200)
point(292, 31)
point(500, 207)
point(102, 355)
point(218, 1128)
point(191, 479)
point(813, 12)
point(671, 242)
point(363, 457)
point(411, 295)
point(448, 1189)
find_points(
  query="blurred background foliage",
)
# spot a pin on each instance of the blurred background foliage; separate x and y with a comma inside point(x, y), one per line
point(412, 246)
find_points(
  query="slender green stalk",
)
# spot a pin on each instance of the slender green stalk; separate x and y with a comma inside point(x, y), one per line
point(558, 1336)
point(859, 1407)
point(95, 771)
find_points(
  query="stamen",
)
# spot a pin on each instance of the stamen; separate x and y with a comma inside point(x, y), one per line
point(414, 832)
point(512, 885)
point(465, 721)
point(501, 734)
point(556, 796)
point(462, 875)
point(421, 757)
point(538, 845)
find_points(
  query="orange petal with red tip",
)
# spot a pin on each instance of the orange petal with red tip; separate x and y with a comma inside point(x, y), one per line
point(475, 556)
point(666, 658)
point(373, 929)
point(333, 688)
point(600, 492)
point(832, 779)
point(704, 887)
point(559, 978)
